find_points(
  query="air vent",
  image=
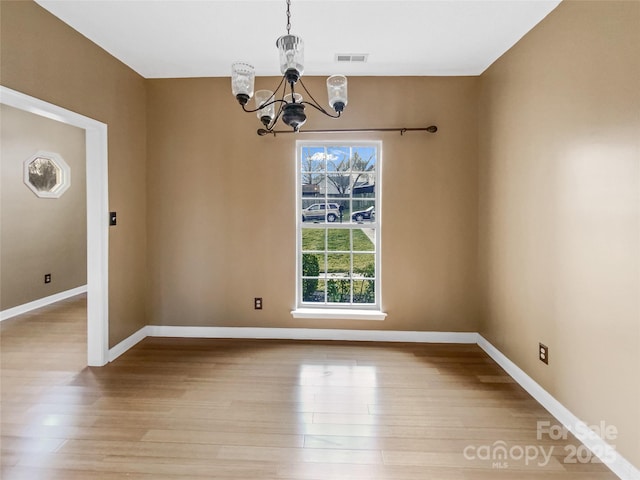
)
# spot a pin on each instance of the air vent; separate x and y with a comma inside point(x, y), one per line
point(352, 57)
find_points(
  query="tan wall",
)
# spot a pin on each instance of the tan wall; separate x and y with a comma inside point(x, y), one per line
point(222, 211)
point(559, 210)
point(40, 235)
point(44, 58)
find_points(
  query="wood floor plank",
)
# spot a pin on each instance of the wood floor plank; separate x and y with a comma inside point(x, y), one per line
point(300, 455)
point(452, 459)
point(178, 408)
point(30, 473)
point(225, 438)
point(139, 449)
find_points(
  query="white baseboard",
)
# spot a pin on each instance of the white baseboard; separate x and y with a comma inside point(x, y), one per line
point(128, 343)
point(42, 302)
point(312, 334)
point(599, 447)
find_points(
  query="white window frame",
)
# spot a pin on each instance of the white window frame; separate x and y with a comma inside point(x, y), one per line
point(351, 311)
point(63, 177)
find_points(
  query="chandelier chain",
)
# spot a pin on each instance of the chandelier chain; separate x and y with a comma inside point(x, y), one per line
point(288, 17)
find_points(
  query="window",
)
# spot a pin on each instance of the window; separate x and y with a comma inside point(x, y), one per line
point(338, 254)
point(47, 174)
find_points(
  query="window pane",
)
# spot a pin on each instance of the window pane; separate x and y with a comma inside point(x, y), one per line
point(313, 239)
point(313, 265)
point(313, 290)
point(364, 211)
point(338, 185)
point(339, 264)
point(319, 212)
point(364, 265)
point(364, 291)
point(338, 159)
point(313, 159)
point(338, 239)
point(363, 185)
point(339, 291)
point(312, 185)
point(363, 204)
point(44, 174)
point(363, 240)
point(363, 159)
point(343, 208)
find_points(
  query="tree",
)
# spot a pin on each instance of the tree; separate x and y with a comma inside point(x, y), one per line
point(364, 290)
point(339, 291)
point(312, 171)
point(310, 268)
point(341, 180)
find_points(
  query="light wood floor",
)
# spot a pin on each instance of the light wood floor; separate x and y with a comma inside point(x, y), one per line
point(227, 409)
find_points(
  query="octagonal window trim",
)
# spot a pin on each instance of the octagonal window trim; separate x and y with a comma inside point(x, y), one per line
point(47, 174)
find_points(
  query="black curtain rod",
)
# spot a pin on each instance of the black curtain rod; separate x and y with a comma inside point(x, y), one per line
point(431, 129)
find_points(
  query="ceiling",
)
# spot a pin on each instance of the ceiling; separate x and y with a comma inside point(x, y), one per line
point(184, 38)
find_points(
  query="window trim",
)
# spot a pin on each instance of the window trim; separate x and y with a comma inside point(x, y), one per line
point(330, 313)
point(339, 310)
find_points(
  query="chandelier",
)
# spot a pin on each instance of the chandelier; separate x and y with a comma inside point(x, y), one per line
point(290, 104)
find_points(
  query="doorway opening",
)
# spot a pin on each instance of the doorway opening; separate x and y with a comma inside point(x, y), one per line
point(97, 215)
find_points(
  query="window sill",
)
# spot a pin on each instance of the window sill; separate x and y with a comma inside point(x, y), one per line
point(338, 314)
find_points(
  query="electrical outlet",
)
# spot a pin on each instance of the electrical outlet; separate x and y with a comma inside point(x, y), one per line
point(257, 303)
point(47, 278)
point(543, 353)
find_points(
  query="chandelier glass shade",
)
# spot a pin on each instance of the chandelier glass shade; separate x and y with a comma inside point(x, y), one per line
point(284, 102)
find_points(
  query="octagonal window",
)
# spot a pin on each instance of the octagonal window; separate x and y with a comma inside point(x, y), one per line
point(47, 174)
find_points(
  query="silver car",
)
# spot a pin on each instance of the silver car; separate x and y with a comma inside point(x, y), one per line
point(321, 211)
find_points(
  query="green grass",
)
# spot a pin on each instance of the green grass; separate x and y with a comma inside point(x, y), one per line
point(313, 239)
point(338, 240)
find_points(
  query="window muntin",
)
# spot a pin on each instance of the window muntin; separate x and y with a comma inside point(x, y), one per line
point(338, 229)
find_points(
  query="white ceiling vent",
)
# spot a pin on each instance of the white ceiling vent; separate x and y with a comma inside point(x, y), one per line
point(352, 57)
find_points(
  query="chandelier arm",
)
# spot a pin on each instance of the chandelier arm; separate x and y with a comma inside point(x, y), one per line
point(316, 105)
point(270, 127)
point(275, 120)
point(264, 105)
point(320, 109)
point(270, 102)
